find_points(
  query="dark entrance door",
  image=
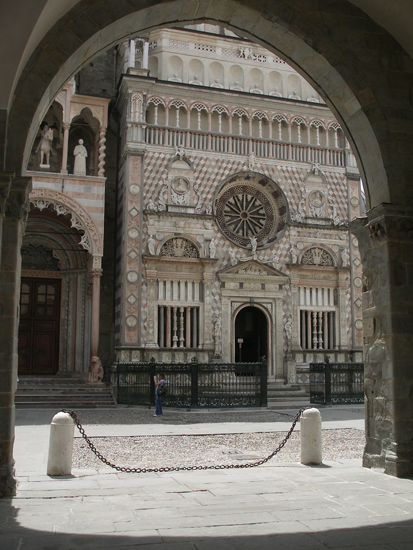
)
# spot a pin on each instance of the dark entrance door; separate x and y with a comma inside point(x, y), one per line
point(252, 328)
point(39, 327)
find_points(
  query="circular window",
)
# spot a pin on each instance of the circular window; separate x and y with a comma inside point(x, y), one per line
point(250, 205)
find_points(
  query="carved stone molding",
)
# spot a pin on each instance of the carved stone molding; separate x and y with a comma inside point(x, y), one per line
point(80, 219)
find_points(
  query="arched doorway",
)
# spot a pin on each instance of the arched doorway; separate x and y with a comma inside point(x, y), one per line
point(251, 335)
point(55, 301)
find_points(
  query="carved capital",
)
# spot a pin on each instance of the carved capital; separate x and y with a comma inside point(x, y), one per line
point(96, 272)
point(17, 203)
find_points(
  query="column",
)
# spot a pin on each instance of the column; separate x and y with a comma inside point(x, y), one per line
point(131, 54)
point(181, 326)
point(168, 326)
point(66, 127)
point(295, 343)
point(385, 239)
point(96, 273)
point(145, 55)
point(175, 327)
point(188, 327)
point(102, 154)
point(13, 214)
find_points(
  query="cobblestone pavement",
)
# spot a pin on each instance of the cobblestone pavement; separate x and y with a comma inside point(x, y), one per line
point(160, 451)
point(135, 415)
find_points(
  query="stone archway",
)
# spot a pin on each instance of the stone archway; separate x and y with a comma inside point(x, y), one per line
point(363, 74)
point(297, 33)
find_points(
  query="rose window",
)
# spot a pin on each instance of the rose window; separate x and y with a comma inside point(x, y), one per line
point(251, 205)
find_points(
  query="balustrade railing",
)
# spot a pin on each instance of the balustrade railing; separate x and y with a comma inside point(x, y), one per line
point(194, 384)
point(240, 145)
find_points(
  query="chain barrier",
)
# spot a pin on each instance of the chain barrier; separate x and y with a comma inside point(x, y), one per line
point(181, 468)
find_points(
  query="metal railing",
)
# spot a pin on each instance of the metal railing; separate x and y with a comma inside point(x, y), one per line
point(194, 385)
point(335, 383)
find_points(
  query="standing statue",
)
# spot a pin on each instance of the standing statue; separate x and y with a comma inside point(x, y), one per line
point(294, 255)
point(151, 245)
point(212, 249)
point(80, 154)
point(45, 146)
point(254, 245)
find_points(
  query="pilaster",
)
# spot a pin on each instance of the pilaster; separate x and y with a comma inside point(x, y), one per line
point(386, 244)
point(14, 218)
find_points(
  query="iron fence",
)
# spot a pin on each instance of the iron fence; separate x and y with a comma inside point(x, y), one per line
point(334, 383)
point(193, 385)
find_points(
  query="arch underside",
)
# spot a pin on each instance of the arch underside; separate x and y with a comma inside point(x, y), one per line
point(350, 81)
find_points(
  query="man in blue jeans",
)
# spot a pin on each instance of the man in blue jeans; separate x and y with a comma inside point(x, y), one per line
point(159, 391)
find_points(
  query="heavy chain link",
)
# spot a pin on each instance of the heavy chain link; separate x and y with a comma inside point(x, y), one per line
point(180, 468)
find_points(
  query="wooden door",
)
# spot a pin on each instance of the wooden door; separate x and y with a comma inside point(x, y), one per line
point(39, 327)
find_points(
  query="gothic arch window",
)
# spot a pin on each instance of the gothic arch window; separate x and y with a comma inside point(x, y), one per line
point(250, 205)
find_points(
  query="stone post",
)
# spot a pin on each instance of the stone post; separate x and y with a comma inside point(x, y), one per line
point(62, 429)
point(14, 214)
point(310, 437)
point(386, 243)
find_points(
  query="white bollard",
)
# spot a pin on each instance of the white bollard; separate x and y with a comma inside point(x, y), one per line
point(62, 431)
point(310, 434)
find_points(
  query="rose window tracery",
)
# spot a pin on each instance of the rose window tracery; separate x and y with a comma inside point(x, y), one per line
point(251, 205)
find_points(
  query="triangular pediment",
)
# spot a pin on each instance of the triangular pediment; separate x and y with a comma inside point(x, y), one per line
point(252, 269)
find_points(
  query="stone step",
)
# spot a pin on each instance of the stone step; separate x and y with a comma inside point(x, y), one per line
point(58, 405)
point(61, 393)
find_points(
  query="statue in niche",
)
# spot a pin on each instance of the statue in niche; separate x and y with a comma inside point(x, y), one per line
point(345, 258)
point(174, 78)
point(80, 154)
point(236, 87)
point(294, 255)
point(288, 332)
point(152, 245)
point(216, 84)
point(254, 245)
point(275, 93)
point(294, 95)
point(256, 90)
point(212, 249)
point(196, 81)
point(45, 146)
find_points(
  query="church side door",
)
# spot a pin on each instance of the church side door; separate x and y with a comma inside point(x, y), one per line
point(39, 327)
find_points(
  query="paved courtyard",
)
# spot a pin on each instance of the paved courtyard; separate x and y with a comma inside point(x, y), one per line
point(278, 505)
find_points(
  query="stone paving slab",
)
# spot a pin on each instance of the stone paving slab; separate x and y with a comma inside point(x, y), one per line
point(338, 505)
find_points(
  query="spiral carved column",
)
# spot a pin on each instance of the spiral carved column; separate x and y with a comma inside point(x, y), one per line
point(102, 154)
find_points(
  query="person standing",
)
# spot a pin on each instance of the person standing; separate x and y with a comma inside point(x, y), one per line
point(159, 391)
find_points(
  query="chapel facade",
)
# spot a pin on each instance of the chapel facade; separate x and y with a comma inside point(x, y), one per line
point(234, 189)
